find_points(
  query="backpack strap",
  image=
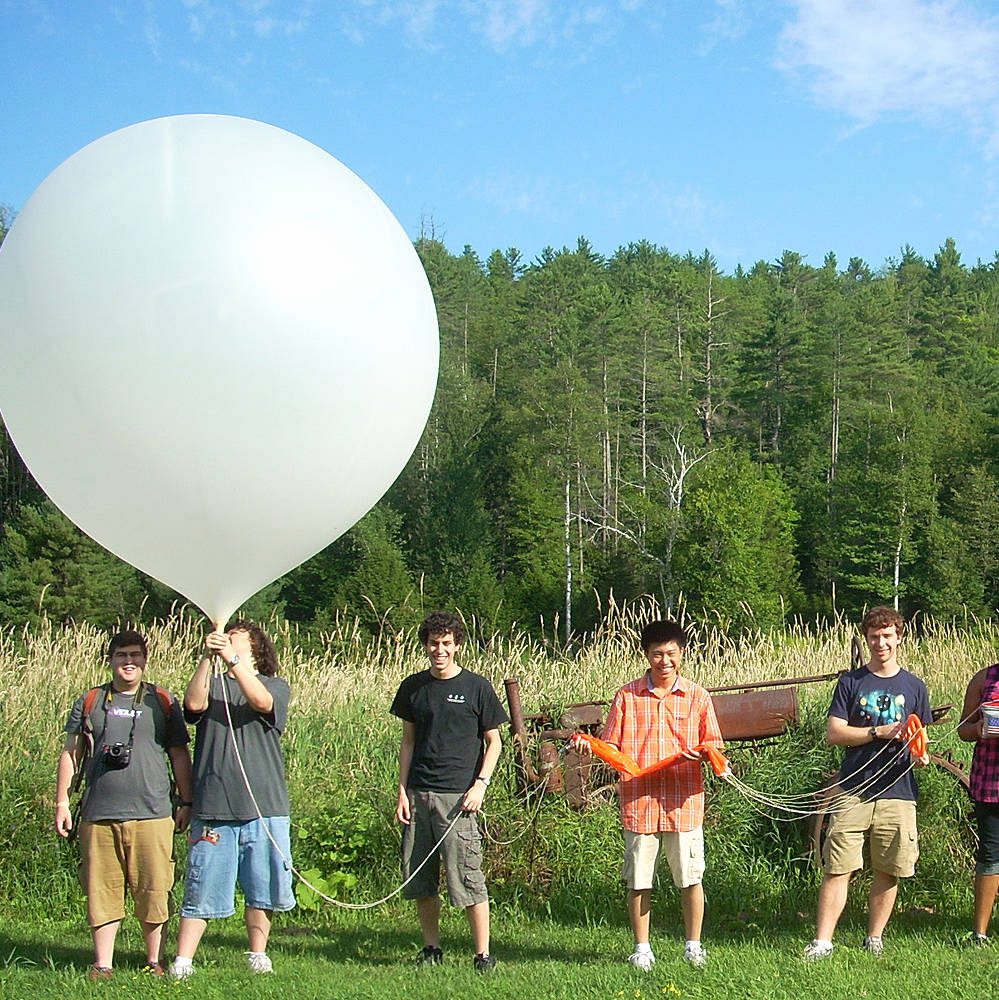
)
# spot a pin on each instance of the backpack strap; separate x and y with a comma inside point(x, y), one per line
point(87, 736)
point(166, 699)
point(89, 700)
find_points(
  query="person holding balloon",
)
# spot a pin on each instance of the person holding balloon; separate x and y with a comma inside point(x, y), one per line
point(448, 752)
point(241, 826)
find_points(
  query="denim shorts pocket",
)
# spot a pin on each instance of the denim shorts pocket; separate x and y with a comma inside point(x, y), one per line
point(192, 886)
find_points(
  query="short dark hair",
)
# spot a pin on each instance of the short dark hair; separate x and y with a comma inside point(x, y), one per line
point(663, 631)
point(882, 617)
point(264, 654)
point(440, 623)
point(127, 637)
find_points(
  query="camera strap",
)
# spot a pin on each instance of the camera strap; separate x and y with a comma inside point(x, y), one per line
point(109, 693)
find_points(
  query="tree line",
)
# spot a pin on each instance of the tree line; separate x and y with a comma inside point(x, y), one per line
point(786, 440)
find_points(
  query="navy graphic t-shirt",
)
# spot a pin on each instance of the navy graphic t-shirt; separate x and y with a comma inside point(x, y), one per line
point(879, 770)
point(450, 717)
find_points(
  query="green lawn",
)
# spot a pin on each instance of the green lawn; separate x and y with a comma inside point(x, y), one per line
point(372, 956)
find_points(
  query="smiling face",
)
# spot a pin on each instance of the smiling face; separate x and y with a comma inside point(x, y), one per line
point(127, 665)
point(883, 644)
point(664, 663)
point(441, 649)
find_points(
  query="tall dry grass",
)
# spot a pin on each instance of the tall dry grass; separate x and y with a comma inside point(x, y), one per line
point(341, 744)
point(43, 670)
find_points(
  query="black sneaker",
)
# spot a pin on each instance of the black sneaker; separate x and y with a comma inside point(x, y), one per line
point(484, 962)
point(430, 955)
point(976, 940)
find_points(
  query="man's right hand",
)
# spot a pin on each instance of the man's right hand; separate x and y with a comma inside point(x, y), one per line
point(63, 820)
point(219, 644)
point(402, 808)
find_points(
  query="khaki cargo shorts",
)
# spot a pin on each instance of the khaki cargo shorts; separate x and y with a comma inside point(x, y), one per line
point(894, 843)
point(684, 853)
point(136, 854)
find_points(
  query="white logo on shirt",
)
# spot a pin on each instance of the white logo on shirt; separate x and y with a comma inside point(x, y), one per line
point(456, 699)
point(125, 713)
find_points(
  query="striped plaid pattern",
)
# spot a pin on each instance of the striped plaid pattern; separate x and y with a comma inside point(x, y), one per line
point(648, 729)
point(984, 783)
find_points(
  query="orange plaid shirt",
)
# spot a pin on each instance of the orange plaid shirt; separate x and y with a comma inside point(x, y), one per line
point(648, 729)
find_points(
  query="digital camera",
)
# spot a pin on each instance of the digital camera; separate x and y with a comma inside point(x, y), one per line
point(117, 756)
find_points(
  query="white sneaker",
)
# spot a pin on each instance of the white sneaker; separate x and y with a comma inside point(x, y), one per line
point(258, 962)
point(643, 960)
point(874, 946)
point(175, 971)
point(696, 955)
point(816, 950)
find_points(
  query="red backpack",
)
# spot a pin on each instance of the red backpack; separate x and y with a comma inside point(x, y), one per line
point(87, 732)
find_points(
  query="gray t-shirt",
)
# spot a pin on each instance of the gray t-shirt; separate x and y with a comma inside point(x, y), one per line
point(219, 787)
point(141, 790)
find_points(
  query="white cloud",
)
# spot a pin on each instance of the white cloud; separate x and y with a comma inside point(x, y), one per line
point(909, 58)
point(664, 208)
point(501, 24)
point(729, 22)
point(151, 30)
point(516, 195)
point(504, 22)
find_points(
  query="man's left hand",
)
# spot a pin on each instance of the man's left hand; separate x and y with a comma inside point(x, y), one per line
point(182, 819)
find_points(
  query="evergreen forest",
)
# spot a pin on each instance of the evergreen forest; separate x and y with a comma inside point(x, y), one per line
point(789, 441)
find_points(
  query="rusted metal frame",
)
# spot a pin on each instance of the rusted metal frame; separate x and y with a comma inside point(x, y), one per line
point(519, 729)
point(785, 682)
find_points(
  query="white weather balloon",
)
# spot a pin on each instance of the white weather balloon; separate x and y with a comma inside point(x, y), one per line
point(219, 349)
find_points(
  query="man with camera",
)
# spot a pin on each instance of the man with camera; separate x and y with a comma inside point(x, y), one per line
point(120, 735)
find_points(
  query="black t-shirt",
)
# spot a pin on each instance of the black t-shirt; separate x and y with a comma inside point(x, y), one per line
point(864, 699)
point(450, 717)
point(220, 791)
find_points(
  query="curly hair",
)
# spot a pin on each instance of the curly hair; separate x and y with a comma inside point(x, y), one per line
point(440, 623)
point(264, 654)
point(882, 617)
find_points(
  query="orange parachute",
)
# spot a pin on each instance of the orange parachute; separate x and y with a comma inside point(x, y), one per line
point(610, 754)
point(915, 736)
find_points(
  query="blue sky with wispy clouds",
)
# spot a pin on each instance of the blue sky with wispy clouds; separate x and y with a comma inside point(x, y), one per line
point(746, 127)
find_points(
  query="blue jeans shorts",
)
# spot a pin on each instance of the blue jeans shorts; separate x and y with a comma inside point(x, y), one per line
point(222, 854)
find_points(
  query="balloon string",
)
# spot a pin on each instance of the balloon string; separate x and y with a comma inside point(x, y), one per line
point(540, 792)
point(838, 801)
point(288, 861)
point(797, 803)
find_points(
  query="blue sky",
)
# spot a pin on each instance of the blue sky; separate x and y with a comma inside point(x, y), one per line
point(743, 127)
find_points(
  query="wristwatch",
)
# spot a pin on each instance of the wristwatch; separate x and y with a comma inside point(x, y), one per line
point(485, 781)
point(873, 732)
point(234, 660)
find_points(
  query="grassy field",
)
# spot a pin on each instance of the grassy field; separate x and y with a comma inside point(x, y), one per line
point(559, 922)
point(371, 957)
